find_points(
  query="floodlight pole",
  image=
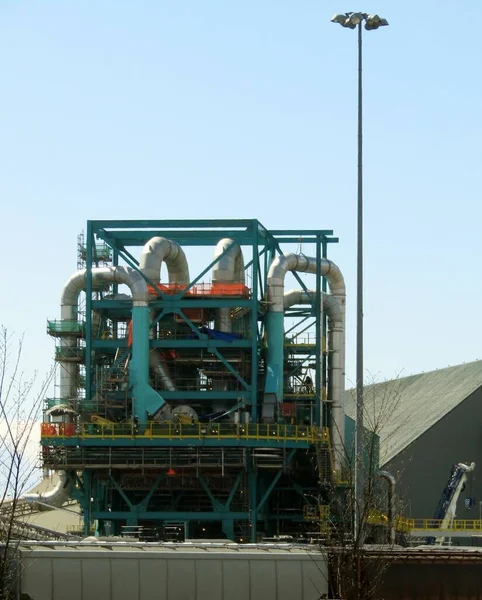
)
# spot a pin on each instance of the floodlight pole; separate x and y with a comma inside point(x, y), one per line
point(352, 20)
point(359, 470)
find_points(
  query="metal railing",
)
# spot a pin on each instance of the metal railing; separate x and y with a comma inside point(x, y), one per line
point(175, 431)
point(65, 327)
point(433, 524)
point(204, 289)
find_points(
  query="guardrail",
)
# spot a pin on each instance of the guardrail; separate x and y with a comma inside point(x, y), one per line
point(175, 431)
point(434, 524)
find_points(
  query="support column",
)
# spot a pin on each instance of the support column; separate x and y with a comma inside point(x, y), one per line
point(145, 401)
point(253, 498)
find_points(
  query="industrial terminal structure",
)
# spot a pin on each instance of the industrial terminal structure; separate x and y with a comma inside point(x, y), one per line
point(198, 406)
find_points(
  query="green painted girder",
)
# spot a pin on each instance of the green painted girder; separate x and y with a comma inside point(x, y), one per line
point(146, 442)
point(207, 344)
point(169, 223)
point(197, 343)
point(204, 395)
point(184, 238)
point(315, 232)
point(199, 302)
point(305, 240)
point(170, 515)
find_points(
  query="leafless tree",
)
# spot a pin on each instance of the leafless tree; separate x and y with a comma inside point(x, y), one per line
point(20, 406)
point(357, 533)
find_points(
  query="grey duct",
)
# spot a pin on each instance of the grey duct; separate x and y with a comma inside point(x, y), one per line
point(156, 251)
point(160, 371)
point(228, 269)
point(69, 309)
point(336, 362)
point(391, 503)
point(55, 497)
point(280, 266)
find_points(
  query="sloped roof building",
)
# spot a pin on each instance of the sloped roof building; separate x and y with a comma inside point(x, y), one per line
point(427, 423)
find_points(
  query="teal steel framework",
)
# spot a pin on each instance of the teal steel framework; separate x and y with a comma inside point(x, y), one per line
point(243, 485)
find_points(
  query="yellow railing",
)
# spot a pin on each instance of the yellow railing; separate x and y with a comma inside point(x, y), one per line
point(177, 431)
point(432, 524)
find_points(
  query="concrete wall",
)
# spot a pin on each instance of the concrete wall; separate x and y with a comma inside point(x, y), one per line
point(424, 466)
point(87, 574)
point(432, 582)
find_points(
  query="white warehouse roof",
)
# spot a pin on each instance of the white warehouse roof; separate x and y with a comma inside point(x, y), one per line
point(406, 408)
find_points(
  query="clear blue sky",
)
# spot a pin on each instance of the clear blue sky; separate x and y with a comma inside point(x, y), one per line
point(149, 109)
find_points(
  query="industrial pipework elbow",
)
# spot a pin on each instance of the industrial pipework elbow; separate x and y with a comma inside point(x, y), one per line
point(391, 502)
point(55, 497)
point(158, 250)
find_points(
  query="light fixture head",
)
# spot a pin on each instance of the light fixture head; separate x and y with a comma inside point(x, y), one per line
point(344, 20)
point(374, 22)
point(355, 19)
point(339, 18)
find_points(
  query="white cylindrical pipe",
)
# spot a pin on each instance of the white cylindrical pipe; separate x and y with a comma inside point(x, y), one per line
point(69, 309)
point(336, 363)
point(158, 250)
point(391, 503)
point(55, 497)
point(280, 266)
point(228, 269)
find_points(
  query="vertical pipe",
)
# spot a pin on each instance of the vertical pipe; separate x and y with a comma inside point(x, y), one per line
point(391, 504)
point(253, 496)
point(359, 474)
point(319, 334)
point(254, 327)
point(139, 370)
point(324, 287)
point(88, 314)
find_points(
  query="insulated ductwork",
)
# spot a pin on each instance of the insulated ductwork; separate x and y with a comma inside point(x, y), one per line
point(55, 497)
point(159, 250)
point(160, 371)
point(156, 251)
point(147, 401)
point(280, 266)
point(69, 308)
point(228, 269)
point(391, 503)
point(336, 363)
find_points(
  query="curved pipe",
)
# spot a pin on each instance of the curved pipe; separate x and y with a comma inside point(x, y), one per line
point(228, 269)
point(302, 264)
point(336, 363)
point(160, 370)
point(275, 317)
point(156, 251)
point(159, 250)
point(391, 502)
point(69, 308)
point(55, 497)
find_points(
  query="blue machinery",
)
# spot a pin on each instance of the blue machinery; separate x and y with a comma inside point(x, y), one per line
point(445, 512)
point(207, 405)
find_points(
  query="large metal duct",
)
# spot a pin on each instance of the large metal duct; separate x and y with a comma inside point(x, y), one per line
point(147, 400)
point(280, 266)
point(228, 269)
point(69, 308)
point(336, 363)
point(158, 250)
point(391, 503)
point(160, 371)
point(55, 497)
